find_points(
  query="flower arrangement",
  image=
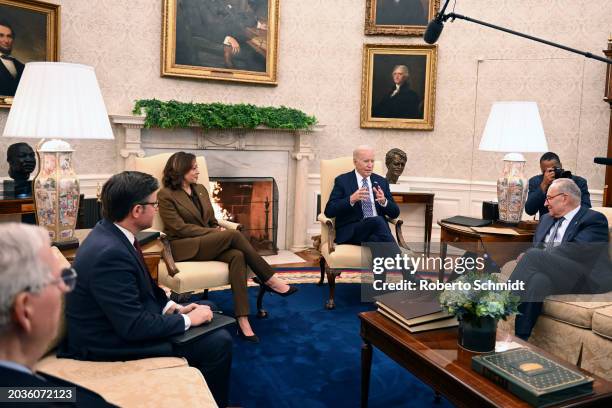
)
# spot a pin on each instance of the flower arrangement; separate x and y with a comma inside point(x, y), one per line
point(471, 304)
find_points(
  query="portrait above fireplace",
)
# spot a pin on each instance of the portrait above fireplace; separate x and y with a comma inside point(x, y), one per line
point(252, 202)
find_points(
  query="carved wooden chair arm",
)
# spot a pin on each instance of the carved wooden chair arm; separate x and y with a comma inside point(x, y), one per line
point(398, 222)
point(167, 255)
point(230, 225)
point(331, 231)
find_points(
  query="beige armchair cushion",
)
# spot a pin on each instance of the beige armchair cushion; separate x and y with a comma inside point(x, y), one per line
point(151, 382)
point(576, 310)
point(347, 257)
point(73, 370)
point(194, 276)
point(602, 321)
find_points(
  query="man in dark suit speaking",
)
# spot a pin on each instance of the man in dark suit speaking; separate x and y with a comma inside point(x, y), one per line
point(117, 312)
point(570, 254)
point(10, 68)
point(359, 202)
point(32, 283)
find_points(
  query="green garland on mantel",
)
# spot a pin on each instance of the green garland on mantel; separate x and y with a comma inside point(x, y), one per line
point(174, 114)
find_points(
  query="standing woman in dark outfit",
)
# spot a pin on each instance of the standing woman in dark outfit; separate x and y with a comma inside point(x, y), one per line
point(195, 235)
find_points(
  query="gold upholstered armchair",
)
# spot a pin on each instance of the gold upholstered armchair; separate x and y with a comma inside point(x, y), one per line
point(186, 278)
point(336, 258)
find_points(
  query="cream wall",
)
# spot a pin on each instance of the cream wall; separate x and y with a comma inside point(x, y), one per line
point(319, 71)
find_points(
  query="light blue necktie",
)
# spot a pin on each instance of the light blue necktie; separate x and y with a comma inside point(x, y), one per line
point(366, 205)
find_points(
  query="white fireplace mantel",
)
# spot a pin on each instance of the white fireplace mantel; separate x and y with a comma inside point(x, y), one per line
point(134, 140)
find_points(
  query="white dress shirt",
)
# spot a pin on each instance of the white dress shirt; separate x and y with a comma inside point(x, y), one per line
point(563, 227)
point(131, 238)
point(10, 66)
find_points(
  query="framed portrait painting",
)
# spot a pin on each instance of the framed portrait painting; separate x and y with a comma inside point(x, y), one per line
point(29, 31)
point(398, 86)
point(227, 40)
point(399, 17)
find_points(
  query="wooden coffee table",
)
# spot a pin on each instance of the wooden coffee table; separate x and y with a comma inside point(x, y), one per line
point(436, 359)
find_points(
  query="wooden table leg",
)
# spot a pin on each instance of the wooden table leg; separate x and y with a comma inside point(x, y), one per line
point(366, 365)
point(443, 251)
point(428, 224)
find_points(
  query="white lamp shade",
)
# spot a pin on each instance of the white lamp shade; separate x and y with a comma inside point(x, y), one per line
point(514, 127)
point(58, 100)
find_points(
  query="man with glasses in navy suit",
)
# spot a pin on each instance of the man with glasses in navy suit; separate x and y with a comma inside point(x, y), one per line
point(117, 312)
point(570, 254)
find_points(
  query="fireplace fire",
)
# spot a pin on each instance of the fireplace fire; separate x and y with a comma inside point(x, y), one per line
point(252, 202)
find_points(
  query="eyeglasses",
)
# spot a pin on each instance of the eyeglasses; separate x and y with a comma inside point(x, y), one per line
point(66, 281)
point(549, 198)
point(155, 204)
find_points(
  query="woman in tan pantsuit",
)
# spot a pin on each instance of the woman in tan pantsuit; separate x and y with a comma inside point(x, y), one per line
point(195, 235)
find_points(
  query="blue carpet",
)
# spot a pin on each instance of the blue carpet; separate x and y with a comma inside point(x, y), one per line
point(310, 357)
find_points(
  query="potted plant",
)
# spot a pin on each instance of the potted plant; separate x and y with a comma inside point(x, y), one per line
point(478, 306)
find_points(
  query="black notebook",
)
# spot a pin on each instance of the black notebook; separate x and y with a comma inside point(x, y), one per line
point(467, 221)
point(193, 333)
point(144, 237)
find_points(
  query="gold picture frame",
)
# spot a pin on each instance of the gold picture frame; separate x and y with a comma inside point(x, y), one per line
point(230, 41)
point(399, 17)
point(392, 98)
point(35, 26)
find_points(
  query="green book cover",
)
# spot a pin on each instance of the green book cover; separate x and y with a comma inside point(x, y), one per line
point(532, 377)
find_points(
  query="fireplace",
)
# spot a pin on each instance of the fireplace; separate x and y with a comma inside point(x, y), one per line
point(252, 202)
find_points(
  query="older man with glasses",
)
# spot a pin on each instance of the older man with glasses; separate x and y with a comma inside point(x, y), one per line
point(32, 284)
point(570, 254)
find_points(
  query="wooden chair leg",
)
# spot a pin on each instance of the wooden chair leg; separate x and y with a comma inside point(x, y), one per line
point(331, 278)
point(261, 312)
point(322, 265)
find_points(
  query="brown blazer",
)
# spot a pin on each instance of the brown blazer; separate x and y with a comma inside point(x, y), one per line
point(183, 223)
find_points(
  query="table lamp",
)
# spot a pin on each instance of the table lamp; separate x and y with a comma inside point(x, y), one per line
point(513, 127)
point(57, 100)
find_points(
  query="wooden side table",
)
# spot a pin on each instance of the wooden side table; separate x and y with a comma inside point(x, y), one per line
point(152, 252)
point(9, 205)
point(419, 198)
point(480, 243)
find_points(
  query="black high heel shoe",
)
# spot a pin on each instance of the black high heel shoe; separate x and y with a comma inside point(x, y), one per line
point(252, 339)
point(291, 291)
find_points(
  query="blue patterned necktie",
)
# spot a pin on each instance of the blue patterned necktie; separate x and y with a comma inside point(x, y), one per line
point(553, 234)
point(366, 205)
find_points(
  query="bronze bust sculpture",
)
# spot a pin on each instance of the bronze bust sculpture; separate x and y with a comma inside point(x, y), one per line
point(22, 161)
point(395, 160)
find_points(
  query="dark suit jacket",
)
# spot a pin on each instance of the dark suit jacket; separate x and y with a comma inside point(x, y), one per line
point(347, 216)
point(183, 222)
point(405, 104)
point(114, 313)
point(8, 84)
point(84, 397)
point(535, 198)
point(585, 242)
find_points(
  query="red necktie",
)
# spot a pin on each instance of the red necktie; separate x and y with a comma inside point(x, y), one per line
point(140, 254)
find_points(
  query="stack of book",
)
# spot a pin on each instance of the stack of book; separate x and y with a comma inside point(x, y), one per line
point(413, 311)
